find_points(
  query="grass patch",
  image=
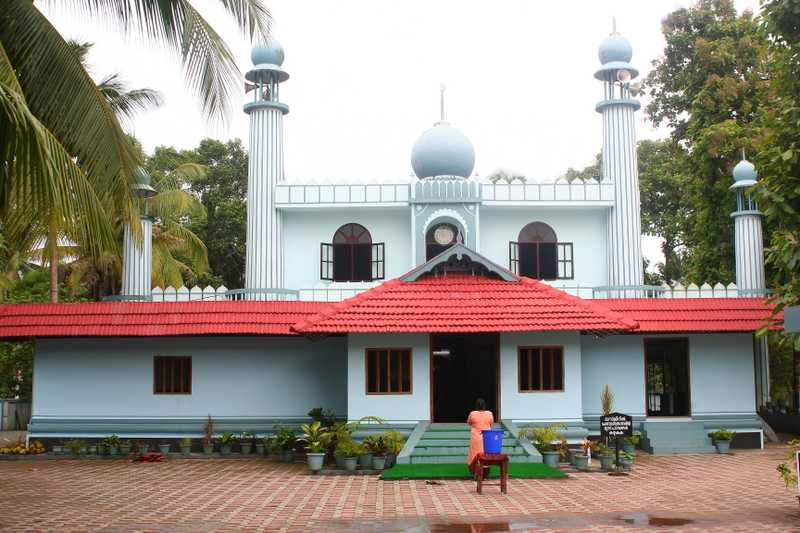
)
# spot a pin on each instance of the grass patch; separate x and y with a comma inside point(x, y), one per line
point(460, 471)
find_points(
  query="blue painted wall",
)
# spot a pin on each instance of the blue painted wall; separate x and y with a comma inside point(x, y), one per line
point(233, 376)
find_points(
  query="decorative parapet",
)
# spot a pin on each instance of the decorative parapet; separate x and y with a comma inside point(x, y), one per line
point(558, 193)
point(442, 191)
point(289, 195)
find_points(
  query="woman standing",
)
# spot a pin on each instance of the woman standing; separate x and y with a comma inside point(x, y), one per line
point(478, 420)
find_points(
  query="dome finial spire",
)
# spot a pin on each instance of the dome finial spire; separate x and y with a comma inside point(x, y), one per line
point(613, 25)
point(442, 88)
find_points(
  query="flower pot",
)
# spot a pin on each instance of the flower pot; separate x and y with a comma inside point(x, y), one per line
point(83, 450)
point(186, 450)
point(143, 448)
point(626, 463)
point(58, 450)
point(287, 456)
point(339, 459)
point(350, 463)
point(208, 449)
point(124, 449)
point(365, 461)
point(101, 449)
point(391, 460)
point(628, 447)
point(259, 449)
point(378, 462)
point(91, 449)
point(723, 446)
point(164, 448)
point(247, 447)
point(315, 461)
point(581, 461)
point(550, 458)
point(225, 449)
point(113, 450)
point(572, 453)
point(607, 462)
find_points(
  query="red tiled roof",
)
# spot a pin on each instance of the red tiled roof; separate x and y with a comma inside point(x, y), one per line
point(463, 303)
point(663, 315)
point(152, 319)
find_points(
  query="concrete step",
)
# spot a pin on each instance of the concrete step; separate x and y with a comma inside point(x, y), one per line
point(452, 459)
point(510, 441)
point(458, 450)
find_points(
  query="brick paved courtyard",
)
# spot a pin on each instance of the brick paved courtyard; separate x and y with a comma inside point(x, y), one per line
point(740, 492)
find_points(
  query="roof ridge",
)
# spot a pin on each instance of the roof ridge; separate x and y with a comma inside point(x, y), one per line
point(342, 305)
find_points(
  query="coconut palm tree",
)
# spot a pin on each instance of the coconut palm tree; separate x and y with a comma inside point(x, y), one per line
point(64, 158)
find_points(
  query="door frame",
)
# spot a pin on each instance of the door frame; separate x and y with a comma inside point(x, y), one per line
point(645, 342)
point(430, 372)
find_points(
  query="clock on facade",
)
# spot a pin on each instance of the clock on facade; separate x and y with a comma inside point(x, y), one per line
point(444, 235)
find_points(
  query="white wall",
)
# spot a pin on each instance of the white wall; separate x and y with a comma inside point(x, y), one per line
point(305, 229)
point(231, 376)
point(393, 407)
point(540, 406)
point(584, 227)
point(721, 378)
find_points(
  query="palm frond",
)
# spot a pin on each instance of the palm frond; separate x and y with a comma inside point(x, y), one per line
point(127, 103)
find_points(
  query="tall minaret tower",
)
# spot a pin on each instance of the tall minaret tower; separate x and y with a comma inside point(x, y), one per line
point(137, 258)
point(264, 265)
point(749, 248)
point(619, 161)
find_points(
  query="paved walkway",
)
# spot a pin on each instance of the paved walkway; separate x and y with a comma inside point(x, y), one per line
point(740, 492)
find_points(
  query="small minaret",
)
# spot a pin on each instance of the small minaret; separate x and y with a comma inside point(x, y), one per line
point(749, 252)
point(264, 264)
point(137, 268)
point(747, 226)
point(620, 162)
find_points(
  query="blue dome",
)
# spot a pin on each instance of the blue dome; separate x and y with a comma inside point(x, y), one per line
point(268, 52)
point(615, 47)
point(442, 151)
point(744, 171)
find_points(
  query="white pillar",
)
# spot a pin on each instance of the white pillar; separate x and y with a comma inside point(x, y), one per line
point(264, 264)
point(137, 268)
point(749, 252)
point(620, 166)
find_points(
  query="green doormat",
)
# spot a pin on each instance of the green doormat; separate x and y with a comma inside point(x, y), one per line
point(460, 471)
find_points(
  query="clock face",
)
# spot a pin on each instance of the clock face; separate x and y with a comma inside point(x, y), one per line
point(444, 235)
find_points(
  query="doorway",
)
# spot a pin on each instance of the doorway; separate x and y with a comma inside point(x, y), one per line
point(464, 367)
point(667, 377)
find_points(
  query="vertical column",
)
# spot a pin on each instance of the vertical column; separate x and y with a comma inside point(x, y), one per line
point(749, 252)
point(137, 269)
point(621, 167)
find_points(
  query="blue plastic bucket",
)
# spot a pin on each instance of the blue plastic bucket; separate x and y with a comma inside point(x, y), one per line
point(492, 441)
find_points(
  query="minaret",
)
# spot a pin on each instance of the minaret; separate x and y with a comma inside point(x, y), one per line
point(749, 252)
point(749, 248)
point(137, 268)
point(264, 265)
point(619, 161)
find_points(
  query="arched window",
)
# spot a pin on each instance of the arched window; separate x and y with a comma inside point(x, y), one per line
point(538, 254)
point(439, 238)
point(351, 256)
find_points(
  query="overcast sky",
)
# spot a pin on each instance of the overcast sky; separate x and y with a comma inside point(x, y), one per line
point(365, 78)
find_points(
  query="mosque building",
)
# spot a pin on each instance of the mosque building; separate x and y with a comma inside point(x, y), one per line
point(409, 300)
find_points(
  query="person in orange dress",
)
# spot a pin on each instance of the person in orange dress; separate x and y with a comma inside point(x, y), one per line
point(478, 420)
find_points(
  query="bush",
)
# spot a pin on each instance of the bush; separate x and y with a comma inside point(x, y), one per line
point(723, 434)
point(545, 439)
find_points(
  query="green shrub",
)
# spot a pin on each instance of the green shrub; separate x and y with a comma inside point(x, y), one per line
point(723, 434)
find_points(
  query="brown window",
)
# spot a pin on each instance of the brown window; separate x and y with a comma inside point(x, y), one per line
point(172, 375)
point(351, 256)
point(538, 254)
point(389, 371)
point(541, 368)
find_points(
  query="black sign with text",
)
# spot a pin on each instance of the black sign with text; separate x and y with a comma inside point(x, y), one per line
point(616, 425)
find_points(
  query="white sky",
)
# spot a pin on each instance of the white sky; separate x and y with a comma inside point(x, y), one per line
point(365, 78)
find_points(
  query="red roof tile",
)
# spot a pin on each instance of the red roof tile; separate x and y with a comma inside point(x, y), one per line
point(151, 319)
point(463, 303)
point(663, 315)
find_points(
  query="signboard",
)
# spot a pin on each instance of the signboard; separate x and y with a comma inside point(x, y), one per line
point(791, 319)
point(616, 425)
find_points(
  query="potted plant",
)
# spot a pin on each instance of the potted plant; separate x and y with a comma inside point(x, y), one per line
point(286, 441)
point(313, 439)
point(226, 442)
point(629, 444)
point(349, 450)
point(722, 439)
point(626, 460)
point(125, 447)
point(546, 440)
point(208, 436)
point(270, 446)
point(246, 442)
point(606, 456)
point(101, 448)
point(91, 449)
point(337, 432)
point(58, 449)
point(76, 446)
point(365, 459)
point(112, 443)
point(394, 441)
point(142, 447)
point(261, 445)
point(186, 446)
point(164, 448)
point(377, 445)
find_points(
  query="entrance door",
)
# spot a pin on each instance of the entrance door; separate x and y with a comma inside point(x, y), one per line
point(464, 367)
point(667, 369)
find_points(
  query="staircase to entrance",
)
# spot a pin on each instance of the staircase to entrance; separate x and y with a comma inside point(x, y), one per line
point(676, 437)
point(449, 443)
